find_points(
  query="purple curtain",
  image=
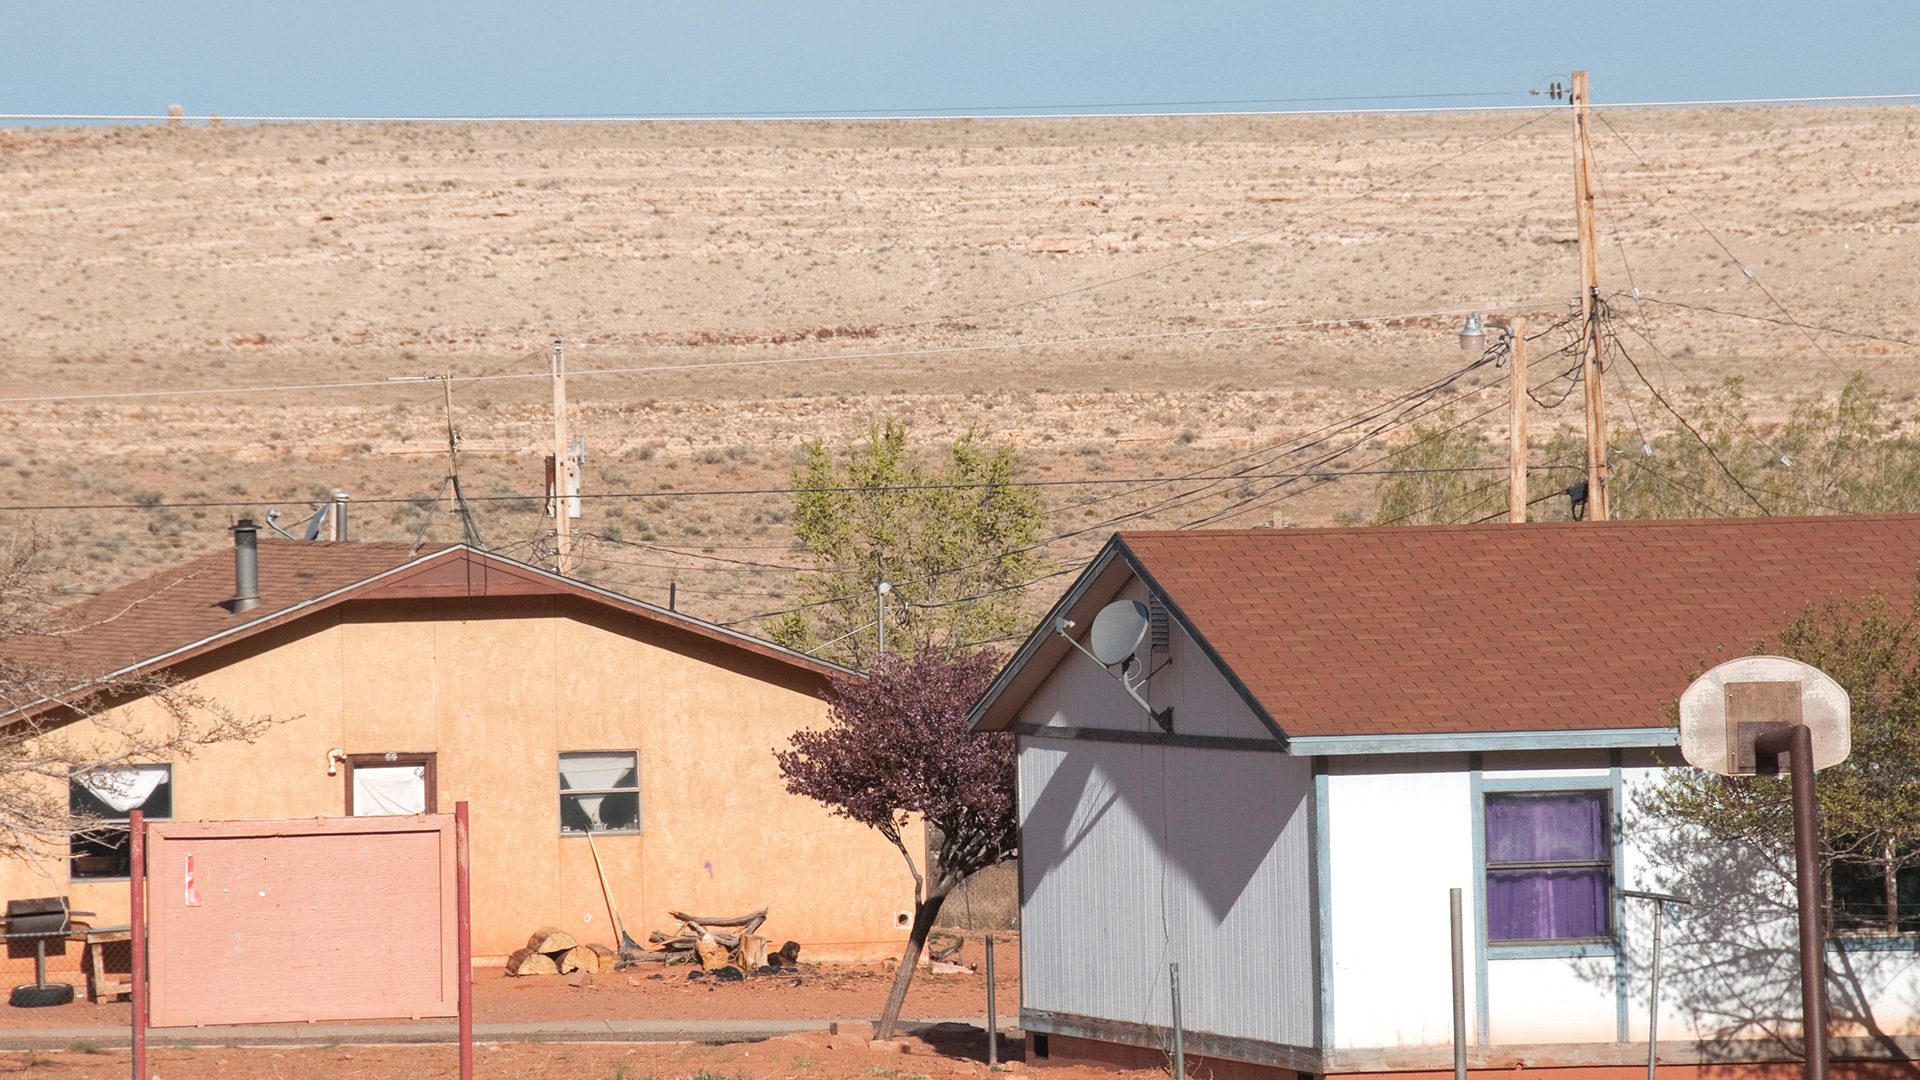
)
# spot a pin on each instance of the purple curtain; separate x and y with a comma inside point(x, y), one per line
point(1546, 903)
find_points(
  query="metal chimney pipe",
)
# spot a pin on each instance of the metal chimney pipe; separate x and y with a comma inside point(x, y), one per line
point(340, 514)
point(246, 567)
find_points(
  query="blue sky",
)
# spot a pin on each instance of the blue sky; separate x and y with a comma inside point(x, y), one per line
point(571, 57)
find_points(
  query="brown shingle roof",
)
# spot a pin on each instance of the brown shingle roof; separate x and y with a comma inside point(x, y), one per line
point(185, 604)
point(182, 611)
point(1503, 628)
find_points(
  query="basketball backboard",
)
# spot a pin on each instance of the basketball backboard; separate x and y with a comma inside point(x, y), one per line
point(1727, 708)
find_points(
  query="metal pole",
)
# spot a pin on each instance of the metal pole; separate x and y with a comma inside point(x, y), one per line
point(1459, 986)
point(137, 916)
point(1660, 902)
point(463, 900)
point(993, 1021)
point(1179, 1036)
point(562, 526)
point(1653, 992)
point(880, 622)
point(340, 515)
point(1796, 744)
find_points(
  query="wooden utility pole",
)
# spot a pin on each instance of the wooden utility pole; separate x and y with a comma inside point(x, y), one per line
point(562, 526)
point(1589, 299)
point(1517, 424)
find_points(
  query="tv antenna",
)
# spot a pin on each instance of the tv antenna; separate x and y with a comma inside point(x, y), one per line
point(469, 524)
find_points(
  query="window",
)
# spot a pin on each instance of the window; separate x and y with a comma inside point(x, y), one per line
point(390, 783)
point(599, 792)
point(1861, 904)
point(1549, 867)
point(109, 795)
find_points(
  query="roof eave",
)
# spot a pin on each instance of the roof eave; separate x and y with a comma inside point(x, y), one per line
point(726, 635)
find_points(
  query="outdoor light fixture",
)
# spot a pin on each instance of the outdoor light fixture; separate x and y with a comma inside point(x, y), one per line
point(1473, 336)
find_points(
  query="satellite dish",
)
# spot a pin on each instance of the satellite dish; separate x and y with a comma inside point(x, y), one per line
point(1117, 631)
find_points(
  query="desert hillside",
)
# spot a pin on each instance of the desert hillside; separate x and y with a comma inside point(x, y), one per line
point(1119, 298)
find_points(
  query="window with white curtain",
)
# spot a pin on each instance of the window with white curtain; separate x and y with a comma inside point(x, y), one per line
point(100, 800)
point(599, 792)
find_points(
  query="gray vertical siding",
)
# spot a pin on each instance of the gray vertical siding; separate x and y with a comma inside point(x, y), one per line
point(1136, 856)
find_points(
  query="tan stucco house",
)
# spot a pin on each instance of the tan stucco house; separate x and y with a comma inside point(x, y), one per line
point(407, 681)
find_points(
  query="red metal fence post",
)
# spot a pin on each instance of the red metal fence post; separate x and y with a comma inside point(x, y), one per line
point(463, 900)
point(137, 919)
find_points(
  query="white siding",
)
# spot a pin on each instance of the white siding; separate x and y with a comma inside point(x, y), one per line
point(1136, 856)
point(1400, 837)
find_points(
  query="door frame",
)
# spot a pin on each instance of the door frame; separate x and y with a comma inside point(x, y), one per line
point(395, 758)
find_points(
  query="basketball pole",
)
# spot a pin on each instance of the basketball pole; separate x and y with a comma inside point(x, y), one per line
point(137, 917)
point(1796, 745)
point(463, 900)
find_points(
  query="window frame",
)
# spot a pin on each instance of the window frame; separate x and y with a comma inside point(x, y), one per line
point(123, 826)
point(561, 793)
point(1608, 787)
point(396, 758)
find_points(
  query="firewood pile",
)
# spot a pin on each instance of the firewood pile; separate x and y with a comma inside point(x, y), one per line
point(716, 942)
point(553, 951)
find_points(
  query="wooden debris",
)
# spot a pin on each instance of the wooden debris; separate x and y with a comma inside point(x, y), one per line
point(752, 952)
point(531, 962)
point(945, 955)
point(754, 917)
point(605, 956)
point(713, 955)
point(551, 939)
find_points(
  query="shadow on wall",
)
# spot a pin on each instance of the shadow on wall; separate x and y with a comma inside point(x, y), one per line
point(1176, 803)
point(1730, 964)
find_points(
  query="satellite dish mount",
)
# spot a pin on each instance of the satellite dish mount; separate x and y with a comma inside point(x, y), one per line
point(1115, 639)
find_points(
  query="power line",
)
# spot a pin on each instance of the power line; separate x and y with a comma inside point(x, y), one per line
point(1745, 270)
point(1779, 322)
point(706, 493)
point(936, 114)
point(498, 376)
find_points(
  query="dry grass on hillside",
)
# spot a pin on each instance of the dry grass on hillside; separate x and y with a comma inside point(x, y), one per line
point(149, 259)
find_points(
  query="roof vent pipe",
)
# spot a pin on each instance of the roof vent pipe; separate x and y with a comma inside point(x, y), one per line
point(340, 514)
point(246, 567)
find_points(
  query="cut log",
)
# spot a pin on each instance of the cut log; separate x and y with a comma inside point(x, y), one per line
point(531, 962)
point(720, 920)
point(551, 939)
point(713, 955)
point(752, 952)
point(583, 958)
point(605, 956)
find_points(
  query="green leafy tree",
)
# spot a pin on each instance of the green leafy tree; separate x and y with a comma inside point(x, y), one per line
point(1445, 472)
point(1870, 803)
point(1844, 454)
point(954, 541)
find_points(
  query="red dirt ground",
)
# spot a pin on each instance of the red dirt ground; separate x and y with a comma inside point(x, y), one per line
point(810, 1056)
point(820, 992)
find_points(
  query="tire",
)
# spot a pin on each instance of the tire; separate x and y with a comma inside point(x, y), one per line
point(40, 997)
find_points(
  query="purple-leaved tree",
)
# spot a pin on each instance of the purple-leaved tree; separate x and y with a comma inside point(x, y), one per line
point(897, 748)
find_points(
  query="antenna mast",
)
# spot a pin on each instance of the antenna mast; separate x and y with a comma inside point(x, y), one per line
point(1589, 302)
point(469, 523)
point(564, 469)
